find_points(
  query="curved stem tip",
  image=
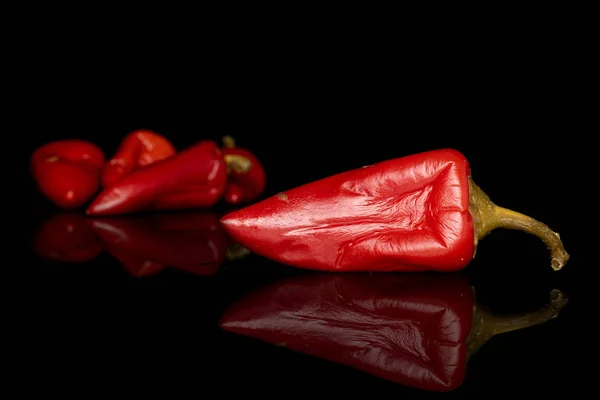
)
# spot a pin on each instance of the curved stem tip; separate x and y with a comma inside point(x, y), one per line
point(487, 216)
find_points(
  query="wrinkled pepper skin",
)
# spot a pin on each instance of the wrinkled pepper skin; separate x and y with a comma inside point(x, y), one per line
point(139, 149)
point(244, 186)
point(191, 242)
point(67, 237)
point(406, 214)
point(409, 329)
point(67, 172)
point(193, 178)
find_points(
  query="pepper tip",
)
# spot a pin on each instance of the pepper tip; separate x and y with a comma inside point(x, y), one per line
point(92, 210)
point(231, 224)
point(225, 220)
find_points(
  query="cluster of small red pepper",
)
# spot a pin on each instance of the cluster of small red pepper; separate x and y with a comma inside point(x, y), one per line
point(146, 173)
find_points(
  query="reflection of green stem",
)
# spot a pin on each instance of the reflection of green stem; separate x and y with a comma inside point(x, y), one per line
point(487, 216)
point(236, 251)
point(486, 325)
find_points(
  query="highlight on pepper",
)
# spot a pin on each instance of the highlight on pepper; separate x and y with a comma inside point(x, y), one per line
point(375, 323)
point(421, 212)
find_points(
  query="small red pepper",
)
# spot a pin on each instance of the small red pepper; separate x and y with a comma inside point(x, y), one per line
point(416, 213)
point(191, 242)
point(67, 237)
point(139, 149)
point(247, 177)
point(67, 172)
point(193, 178)
point(416, 330)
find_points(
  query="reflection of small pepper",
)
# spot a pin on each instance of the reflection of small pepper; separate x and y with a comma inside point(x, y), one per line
point(247, 177)
point(193, 178)
point(67, 237)
point(192, 242)
point(68, 171)
point(416, 330)
point(416, 213)
point(139, 149)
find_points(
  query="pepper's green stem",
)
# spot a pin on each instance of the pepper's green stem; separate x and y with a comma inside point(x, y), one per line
point(486, 325)
point(228, 142)
point(235, 162)
point(487, 216)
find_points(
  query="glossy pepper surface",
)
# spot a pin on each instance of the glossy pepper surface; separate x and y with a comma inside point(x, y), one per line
point(415, 213)
point(193, 178)
point(193, 242)
point(67, 172)
point(246, 175)
point(139, 149)
point(416, 330)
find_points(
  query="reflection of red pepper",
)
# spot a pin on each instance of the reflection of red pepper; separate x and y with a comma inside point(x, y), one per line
point(193, 178)
point(68, 171)
point(67, 237)
point(416, 330)
point(139, 149)
point(192, 242)
point(247, 177)
point(420, 212)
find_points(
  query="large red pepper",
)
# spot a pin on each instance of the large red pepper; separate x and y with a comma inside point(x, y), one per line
point(247, 177)
point(191, 242)
point(415, 213)
point(139, 149)
point(416, 330)
point(68, 171)
point(67, 237)
point(193, 178)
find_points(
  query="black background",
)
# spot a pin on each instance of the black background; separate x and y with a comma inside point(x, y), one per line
point(516, 108)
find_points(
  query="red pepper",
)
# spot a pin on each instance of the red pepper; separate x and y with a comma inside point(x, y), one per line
point(416, 330)
point(191, 242)
point(247, 177)
point(68, 171)
point(193, 178)
point(139, 149)
point(415, 213)
point(67, 237)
